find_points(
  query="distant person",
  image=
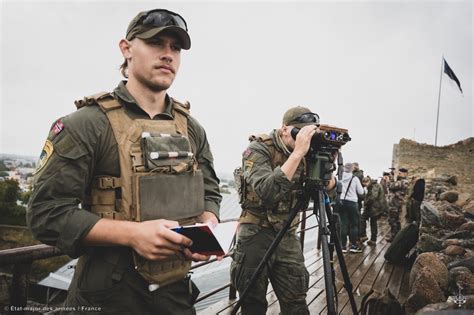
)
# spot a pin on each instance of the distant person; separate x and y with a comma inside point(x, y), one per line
point(398, 190)
point(272, 177)
point(416, 194)
point(349, 212)
point(102, 192)
point(385, 182)
point(360, 198)
point(374, 203)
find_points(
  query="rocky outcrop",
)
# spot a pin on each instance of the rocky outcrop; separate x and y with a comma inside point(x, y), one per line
point(445, 265)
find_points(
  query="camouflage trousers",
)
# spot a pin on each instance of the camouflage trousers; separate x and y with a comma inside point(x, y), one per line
point(285, 270)
point(394, 220)
point(105, 282)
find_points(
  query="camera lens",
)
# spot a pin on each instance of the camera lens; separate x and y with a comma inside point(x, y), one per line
point(294, 132)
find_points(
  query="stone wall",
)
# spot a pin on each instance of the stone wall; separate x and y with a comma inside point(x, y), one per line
point(430, 161)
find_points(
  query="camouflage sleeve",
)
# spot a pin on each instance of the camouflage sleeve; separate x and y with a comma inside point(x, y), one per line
point(370, 197)
point(212, 196)
point(396, 185)
point(270, 185)
point(60, 181)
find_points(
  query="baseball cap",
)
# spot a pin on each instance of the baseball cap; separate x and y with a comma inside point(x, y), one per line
point(300, 116)
point(148, 24)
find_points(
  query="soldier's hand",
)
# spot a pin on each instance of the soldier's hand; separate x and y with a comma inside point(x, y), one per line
point(194, 256)
point(303, 139)
point(154, 240)
point(211, 219)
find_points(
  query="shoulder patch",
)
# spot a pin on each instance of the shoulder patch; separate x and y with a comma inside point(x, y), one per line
point(46, 153)
point(248, 165)
point(57, 127)
point(247, 153)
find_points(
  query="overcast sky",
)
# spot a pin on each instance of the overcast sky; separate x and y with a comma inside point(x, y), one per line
point(371, 67)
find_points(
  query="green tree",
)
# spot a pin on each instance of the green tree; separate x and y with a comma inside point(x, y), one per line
point(10, 212)
point(9, 191)
point(2, 166)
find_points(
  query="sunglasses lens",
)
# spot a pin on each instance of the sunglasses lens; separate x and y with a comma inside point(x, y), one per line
point(308, 118)
point(164, 18)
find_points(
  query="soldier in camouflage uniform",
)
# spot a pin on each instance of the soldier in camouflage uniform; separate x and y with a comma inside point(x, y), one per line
point(384, 182)
point(273, 169)
point(84, 202)
point(374, 202)
point(398, 190)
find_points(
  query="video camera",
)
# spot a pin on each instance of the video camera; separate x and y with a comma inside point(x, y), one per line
point(329, 137)
point(322, 152)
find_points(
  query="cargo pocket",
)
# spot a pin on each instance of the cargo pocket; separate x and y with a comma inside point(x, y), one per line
point(101, 284)
point(236, 268)
point(295, 284)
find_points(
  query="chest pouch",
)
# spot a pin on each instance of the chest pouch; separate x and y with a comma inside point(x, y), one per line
point(172, 187)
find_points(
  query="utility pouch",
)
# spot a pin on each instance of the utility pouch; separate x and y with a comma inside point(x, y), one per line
point(167, 196)
point(166, 153)
point(240, 183)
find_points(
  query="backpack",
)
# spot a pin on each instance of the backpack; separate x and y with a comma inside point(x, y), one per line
point(401, 245)
point(375, 303)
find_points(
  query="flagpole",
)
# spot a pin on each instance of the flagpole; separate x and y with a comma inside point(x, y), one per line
point(439, 97)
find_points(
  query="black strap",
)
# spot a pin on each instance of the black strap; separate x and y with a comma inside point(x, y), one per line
point(348, 186)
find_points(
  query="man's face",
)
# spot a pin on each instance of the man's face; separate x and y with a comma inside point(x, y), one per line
point(356, 167)
point(154, 62)
point(403, 174)
point(286, 136)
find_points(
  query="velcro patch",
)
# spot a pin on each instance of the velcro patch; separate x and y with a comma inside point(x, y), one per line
point(46, 153)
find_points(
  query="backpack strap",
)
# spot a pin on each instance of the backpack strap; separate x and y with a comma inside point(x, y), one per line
point(180, 112)
point(277, 157)
point(105, 100)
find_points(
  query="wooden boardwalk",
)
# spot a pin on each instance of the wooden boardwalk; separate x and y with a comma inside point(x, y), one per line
point(367, 270)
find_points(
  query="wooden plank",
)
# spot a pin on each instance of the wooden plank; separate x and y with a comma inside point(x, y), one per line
point(352, 262)
point(366, 282)
point(405, 286)
point(351, 266)
point(396, 280)
point(357, 276)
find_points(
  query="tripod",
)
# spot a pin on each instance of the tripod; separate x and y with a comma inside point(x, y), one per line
point(319, 170)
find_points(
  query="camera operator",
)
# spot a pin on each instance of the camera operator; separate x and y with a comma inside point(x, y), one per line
point(271, 183)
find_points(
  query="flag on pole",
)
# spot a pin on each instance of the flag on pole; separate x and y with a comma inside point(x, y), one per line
point(450, 73)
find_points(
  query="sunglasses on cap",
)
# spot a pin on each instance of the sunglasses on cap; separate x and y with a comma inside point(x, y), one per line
point(162, 17)
point(306, 118)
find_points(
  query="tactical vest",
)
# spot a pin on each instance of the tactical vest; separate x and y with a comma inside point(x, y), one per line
point(158, 179)
point(253, 209)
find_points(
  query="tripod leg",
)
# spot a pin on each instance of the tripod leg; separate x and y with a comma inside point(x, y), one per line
point(327, 264)
point(340, 259)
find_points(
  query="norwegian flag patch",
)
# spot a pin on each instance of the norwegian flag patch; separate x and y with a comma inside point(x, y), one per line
point(57, 127)
point(247, 153)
